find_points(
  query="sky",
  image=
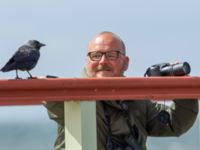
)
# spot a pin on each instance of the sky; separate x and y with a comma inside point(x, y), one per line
point(154, 32)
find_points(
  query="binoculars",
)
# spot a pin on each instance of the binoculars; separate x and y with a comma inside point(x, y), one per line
point(168, 69)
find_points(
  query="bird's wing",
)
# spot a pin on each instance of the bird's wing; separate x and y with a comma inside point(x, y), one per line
point(25, 57)
point(22, 54)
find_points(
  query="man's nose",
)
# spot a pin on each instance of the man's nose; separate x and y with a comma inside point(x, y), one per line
point(103, 59)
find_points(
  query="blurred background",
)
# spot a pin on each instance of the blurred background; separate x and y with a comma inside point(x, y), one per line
point(154, 31)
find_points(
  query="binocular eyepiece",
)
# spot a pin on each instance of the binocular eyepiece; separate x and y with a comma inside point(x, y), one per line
point(167, 69)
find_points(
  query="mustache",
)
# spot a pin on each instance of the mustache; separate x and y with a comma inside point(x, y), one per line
point(103, 68)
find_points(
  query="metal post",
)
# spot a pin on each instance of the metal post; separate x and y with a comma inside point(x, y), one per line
point(80, 125)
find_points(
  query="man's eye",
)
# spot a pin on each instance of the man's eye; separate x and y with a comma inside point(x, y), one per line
point(97, 56)
point(111, 55)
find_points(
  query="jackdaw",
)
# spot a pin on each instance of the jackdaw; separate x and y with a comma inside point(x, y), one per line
point(25, 58)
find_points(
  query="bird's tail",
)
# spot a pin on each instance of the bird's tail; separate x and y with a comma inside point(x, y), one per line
point(2, 69)
point(5, 69)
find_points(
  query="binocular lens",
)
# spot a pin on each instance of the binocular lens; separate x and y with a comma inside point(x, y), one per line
point(186, 68)
point(176, 70)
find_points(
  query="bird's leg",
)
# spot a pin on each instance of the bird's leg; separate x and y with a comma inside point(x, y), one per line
point(29, 74)
point(31, 77)
point(17, 77)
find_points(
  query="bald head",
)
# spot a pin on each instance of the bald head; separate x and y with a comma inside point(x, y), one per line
point(106, 56)
point(106, 40)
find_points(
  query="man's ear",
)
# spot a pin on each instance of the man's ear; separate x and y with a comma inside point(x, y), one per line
point(126, 63)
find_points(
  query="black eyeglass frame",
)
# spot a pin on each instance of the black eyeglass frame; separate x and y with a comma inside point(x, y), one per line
point(106, 55)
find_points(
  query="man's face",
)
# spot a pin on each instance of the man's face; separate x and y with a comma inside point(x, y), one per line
point(111, 63)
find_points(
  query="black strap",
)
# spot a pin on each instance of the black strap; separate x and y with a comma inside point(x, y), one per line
point(109, 143)
point(133, 129)
point(131, 140)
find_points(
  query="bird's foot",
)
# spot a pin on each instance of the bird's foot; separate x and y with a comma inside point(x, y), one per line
point(32, 77)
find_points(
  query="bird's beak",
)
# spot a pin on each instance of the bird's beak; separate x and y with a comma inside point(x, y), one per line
point(41, 44)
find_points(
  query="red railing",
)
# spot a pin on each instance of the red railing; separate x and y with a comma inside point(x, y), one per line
point(33, 91)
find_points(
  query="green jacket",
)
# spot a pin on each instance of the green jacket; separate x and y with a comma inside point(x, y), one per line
point(144, 114)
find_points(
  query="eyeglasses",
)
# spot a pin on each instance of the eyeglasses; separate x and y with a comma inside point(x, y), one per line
point(111, 55)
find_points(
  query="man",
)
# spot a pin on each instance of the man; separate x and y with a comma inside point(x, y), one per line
point(124, 125)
